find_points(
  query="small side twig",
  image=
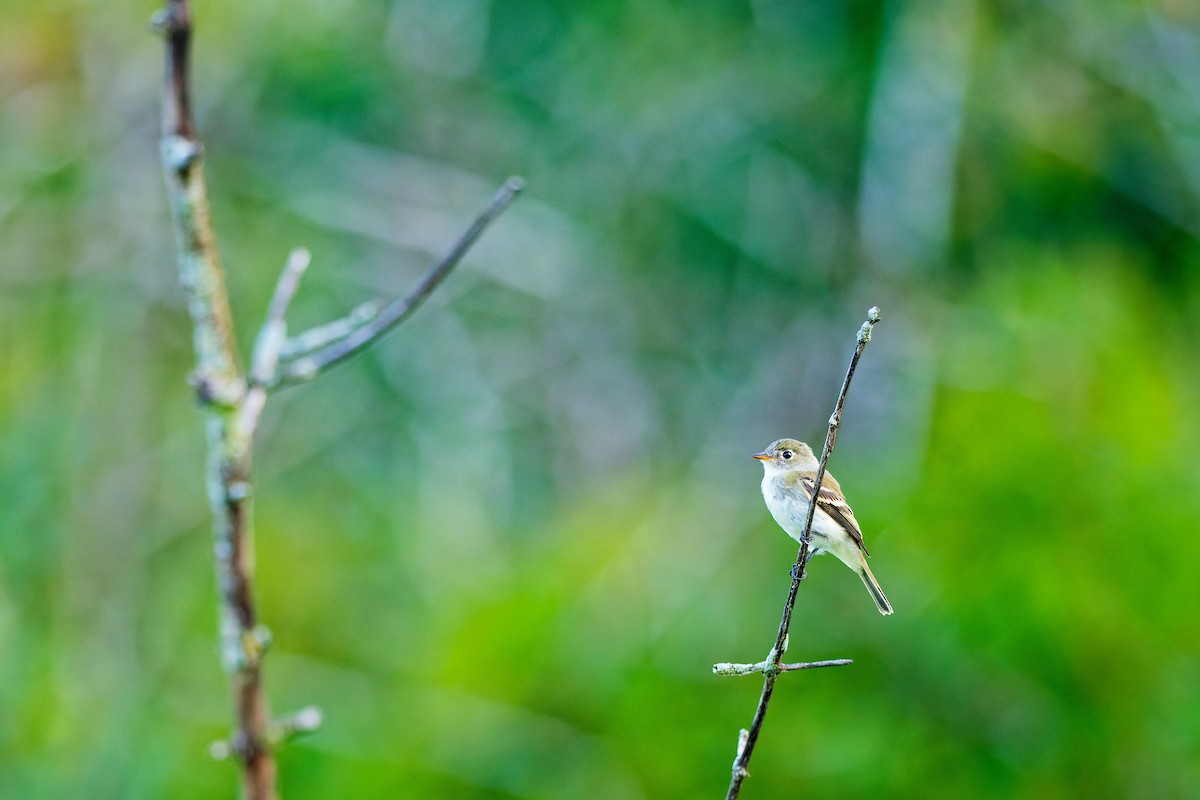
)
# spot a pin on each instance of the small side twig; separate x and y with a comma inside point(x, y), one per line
point(725, 668)
point(773, 666)
point(303, 722)
point(320, 336)
point(270, 341)
point(308, 366)
point(272, 337)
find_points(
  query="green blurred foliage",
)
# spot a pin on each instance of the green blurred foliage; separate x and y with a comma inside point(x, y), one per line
point(502, 549)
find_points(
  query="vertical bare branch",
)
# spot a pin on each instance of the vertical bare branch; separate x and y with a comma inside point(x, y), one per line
point(233, 405)
point(773, 667)
point(222, 390)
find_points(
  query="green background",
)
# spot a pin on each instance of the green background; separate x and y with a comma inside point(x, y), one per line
point(503, 548)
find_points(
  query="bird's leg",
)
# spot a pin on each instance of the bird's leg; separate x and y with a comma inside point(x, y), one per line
point(801, 568)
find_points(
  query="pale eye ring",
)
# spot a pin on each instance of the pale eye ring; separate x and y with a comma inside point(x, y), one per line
point(787, 455)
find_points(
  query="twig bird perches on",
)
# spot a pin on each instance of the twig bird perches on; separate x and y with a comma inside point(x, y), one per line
point(772, 667)
point(232, 400)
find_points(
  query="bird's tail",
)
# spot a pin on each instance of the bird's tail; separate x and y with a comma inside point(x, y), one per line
point(872, 585)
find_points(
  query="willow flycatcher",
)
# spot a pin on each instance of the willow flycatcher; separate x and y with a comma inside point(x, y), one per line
point(789, 475)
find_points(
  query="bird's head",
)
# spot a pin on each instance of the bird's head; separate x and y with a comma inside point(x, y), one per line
point(786, 455)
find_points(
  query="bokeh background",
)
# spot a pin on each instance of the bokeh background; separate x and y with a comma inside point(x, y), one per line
point(502, 549)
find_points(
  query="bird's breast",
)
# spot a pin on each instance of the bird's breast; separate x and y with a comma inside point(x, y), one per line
point(788, 504)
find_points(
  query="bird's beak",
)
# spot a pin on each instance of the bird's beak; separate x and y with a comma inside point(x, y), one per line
point(762, 456)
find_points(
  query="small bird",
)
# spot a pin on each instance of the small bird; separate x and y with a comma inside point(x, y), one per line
point(789, 473)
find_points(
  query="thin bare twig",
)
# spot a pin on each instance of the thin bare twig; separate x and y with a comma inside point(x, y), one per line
point(309, 366)
point(772, 667)
point(268, 347)
point(272, 336)
point(293, 726)
point(320, 336)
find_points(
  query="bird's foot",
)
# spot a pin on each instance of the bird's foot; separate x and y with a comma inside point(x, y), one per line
point(797, 572)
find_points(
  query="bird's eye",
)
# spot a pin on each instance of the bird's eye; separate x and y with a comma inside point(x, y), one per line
point(787, 454)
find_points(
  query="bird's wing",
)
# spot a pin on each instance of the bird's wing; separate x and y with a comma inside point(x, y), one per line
point(831, 501)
